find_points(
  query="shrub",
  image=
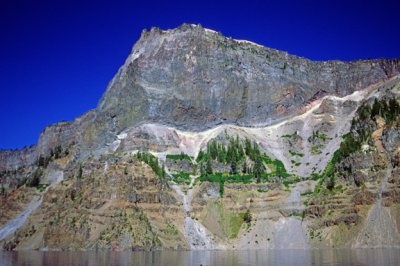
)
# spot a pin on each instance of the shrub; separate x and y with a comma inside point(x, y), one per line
point(247, 217)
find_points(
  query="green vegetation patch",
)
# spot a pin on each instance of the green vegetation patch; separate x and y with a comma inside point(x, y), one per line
point(316, 149)
point(248, 178)
point(289, 136)
point(277, 167)
point(316, 135)
point(230, 222)
point(181, 178)
point(293, 180)
point(42, 187)
point(246, 163)
point(171, 230)
point(296, 163)
point(182, 156)
point(295, 153)
point(306, 193)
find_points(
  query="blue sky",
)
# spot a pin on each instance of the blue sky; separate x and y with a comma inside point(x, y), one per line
point(57, 57)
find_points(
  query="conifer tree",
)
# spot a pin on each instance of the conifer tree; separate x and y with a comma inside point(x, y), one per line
point(202, 170)
point(163, 172)
point(258, 169)
point(209, 170)
point(375, 108)
point(244, 168)
point(233, 167)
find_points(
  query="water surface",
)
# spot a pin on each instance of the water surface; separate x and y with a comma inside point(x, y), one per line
point(182, 258)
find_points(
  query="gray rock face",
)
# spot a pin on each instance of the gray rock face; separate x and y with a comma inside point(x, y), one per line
point(194, 78)
point(64, 134)
point(14, 159)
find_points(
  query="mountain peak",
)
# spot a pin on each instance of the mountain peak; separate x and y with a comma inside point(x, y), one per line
point(193, 78)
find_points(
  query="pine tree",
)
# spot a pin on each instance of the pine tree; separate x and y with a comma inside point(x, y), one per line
point(202, 170)
point(233, 167)
point(209, 169)
point(244, 168)
point(385, 110)
point(224, 154)
point(163, 172)
point(248, 148)
point(394, 110)
point(200, 156)
point(256, 151)
point(375, 108)
point(258, 169)
point(240, 152)
point(80, 171)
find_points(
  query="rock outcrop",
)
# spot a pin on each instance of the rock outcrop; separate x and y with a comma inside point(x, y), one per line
point(193, 78)
point(11, 160)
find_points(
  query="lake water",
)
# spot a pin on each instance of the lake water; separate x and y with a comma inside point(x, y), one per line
point(178, 258)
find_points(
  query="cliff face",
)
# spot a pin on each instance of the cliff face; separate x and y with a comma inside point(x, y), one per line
point(66, 135)
point(14, 159)
point(178, 91)
point(193, 78)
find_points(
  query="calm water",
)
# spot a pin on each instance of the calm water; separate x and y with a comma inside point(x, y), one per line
point(178, 258)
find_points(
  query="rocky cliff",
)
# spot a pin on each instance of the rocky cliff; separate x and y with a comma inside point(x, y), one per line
point(193, 78)
point(194, 100)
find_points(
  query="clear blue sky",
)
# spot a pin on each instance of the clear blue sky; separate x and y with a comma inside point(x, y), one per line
point(57, 57)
